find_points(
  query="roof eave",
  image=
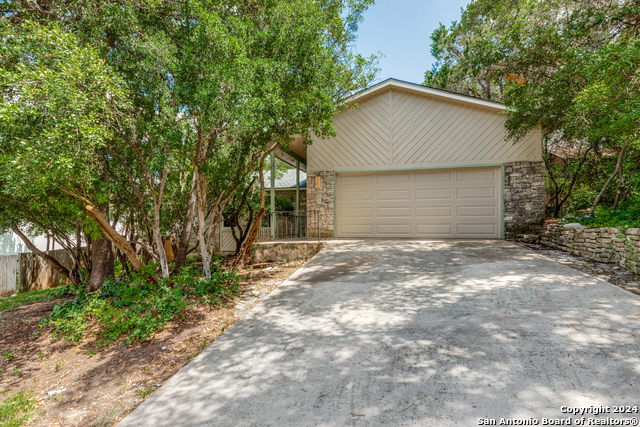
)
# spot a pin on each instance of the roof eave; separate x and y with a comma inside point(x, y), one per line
point(425, 90)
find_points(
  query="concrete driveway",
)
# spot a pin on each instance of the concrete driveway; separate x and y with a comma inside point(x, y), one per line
point(430, 333)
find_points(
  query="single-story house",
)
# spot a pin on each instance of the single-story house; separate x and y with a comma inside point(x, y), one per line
point(409, 161)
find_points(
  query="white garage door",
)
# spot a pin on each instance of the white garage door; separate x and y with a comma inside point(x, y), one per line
point(451, 203)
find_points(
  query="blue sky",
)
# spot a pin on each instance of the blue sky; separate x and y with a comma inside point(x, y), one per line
point(400, 29)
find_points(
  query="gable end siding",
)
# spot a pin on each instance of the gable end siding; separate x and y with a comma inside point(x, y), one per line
point(396, 129)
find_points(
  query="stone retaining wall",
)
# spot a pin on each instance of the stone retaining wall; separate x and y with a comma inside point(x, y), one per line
point(611, 245)
point(262, 252)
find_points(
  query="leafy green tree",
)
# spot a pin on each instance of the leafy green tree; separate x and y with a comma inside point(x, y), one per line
point(281, 69)
point(59, 108)
point(568, 67)
point(192, 97)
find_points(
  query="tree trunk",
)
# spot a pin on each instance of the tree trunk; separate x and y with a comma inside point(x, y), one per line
point(202, 195)
point(102, 259)
point(119, 241)
point(619, 188)
point(245, 251)
point(206, 257)
point(102, 263)
point(606, 184)
point(162, 255)
point(185, 236)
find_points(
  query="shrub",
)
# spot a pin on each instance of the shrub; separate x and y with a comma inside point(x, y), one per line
point(581, 199)
point(135, 308)
point(626, 216)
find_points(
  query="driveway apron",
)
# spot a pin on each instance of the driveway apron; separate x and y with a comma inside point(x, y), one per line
point(421, 333)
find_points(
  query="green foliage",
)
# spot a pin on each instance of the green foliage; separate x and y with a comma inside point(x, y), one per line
point(17, 409)
point(625, 216)
point(59, 105)
point(283, 203)
point(136, 309)
point(123, 105)
point(581, 199)
point(9, 355)
point(143, 394)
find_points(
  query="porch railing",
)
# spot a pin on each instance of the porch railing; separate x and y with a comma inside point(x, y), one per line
point(283, 225)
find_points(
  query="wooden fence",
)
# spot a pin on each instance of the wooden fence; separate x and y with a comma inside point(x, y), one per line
point(35, 273)
point(8, 274)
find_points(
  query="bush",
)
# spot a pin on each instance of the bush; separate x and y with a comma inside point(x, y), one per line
point(135, 308)
point(581, 199)
point(626, 216)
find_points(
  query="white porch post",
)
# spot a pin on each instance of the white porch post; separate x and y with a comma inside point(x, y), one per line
point(273, 196)
point(297, 198)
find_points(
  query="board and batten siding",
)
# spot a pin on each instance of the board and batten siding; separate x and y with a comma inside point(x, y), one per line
point(398, 129)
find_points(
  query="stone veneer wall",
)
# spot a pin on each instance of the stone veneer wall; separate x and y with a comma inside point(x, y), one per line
point(611, 245)
point(320, 199)
point(524, 197)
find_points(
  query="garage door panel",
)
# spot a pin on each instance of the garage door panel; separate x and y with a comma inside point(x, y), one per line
point(435, 194)
point(356, 180)
point(476, 193)
point(356, 231)
point(429, 211)
point(439, 177)
point(476, 229)
point(462, 203)
point(357, 195)
point(393, 179)
point(394, 230)
point(426, 230)
point(394, 221)
point(404, 212)
point(477, 175)
point(357, 204)
point(366, 212)
point(489, 211)
point(382, 195)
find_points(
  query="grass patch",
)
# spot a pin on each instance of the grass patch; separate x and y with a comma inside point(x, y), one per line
point(17, 409)
point(136, 309)
point(30, 297)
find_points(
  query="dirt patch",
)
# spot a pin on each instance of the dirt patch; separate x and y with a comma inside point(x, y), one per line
point(612, 273)
point(87, 385)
